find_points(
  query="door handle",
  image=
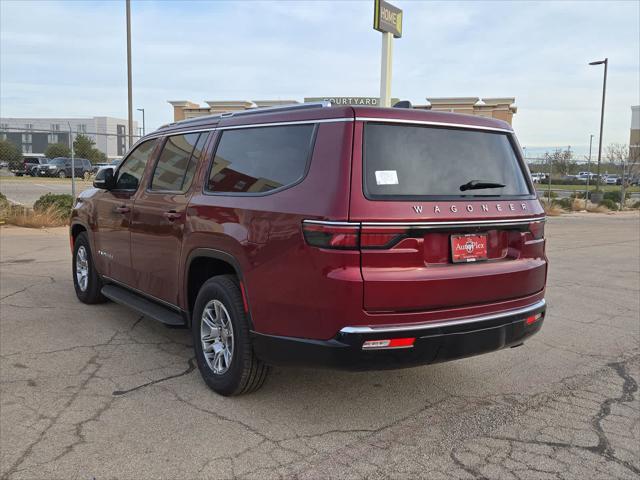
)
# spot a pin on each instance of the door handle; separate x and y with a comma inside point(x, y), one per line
point(122, 209)
point(172, 215)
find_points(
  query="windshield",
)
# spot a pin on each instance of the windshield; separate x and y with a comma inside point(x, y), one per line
point(422, 161)
point(57, 161)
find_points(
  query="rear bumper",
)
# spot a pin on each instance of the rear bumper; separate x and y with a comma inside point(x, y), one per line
point(434, 342)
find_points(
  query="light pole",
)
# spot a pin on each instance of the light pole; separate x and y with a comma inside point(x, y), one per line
point(586, 193)
point(604, 62)
point(143, 130)
point(129, 94)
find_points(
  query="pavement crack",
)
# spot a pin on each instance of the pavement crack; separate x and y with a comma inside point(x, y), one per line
point(190, 368)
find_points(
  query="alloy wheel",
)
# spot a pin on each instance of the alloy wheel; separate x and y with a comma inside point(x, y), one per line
point(82, 268)
point(216, 334)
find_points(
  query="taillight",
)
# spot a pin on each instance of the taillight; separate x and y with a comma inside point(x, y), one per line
point(342, 236)
point(531, 319)
point(326, 235)
point(537, 230)
point(380, 237)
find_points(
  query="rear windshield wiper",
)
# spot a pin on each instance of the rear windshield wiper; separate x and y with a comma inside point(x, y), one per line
point(478, 185)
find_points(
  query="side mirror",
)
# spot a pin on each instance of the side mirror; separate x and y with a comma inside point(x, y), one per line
point(104, 179)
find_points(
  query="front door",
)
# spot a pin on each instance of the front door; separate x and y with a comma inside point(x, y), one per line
point(159, 213)
point(113, 216)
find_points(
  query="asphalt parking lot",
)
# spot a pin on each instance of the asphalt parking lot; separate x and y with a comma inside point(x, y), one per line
point(100, 392)
point(26, 190)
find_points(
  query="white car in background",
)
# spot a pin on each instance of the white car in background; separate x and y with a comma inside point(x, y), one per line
point(538, 177)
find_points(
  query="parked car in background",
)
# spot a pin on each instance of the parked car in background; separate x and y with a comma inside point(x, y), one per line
point(586, 175)
point(110, 166)
point(538, 177)
point(98, 166)
point(61, 167)
point(30, 166)
point(320, 235)
point(613, 180)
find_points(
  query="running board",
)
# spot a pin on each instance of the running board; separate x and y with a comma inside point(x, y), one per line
point(146, 307)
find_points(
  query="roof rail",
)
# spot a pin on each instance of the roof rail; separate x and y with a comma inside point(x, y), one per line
point(252, 111)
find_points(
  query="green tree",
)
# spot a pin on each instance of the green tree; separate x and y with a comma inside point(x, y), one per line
point(10, 153)
point(57, 150)
point(82, 146)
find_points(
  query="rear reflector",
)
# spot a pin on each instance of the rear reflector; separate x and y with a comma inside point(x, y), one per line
point(388, 343)
point(533, 318)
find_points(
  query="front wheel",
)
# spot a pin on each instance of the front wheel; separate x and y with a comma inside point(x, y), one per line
point(61, 174)
point(86, 281)
point(221, 339)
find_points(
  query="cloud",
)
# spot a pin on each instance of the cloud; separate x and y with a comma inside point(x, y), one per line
point(68, 58)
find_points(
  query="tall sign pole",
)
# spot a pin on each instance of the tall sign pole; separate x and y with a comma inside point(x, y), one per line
point(388, 20)
point(129, 93)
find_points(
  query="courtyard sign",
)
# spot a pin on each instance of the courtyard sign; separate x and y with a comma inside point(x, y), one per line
point(338, 101)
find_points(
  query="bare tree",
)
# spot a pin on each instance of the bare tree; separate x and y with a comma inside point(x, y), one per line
point(561, 161)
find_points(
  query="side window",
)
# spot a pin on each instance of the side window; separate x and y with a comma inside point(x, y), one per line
point(177, 162)
point(132, 168)
point(254, 160)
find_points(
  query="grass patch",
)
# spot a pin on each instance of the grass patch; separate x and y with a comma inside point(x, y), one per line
point(26, 217)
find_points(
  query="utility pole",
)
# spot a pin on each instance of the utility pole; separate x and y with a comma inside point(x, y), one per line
point(586, 193)
point(385, 71)
point(604, 91)
point(129, 93)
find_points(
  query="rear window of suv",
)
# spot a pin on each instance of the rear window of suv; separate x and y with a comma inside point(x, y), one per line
point(422, 162)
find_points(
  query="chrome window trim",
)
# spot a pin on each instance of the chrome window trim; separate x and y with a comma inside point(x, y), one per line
point(435, 124)
point(446, 323)
point(435, 224)
point(278, 124)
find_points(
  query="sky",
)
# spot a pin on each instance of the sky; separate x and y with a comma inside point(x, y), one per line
point(60, 59)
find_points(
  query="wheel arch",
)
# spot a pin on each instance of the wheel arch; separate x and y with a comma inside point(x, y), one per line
point(205, 263)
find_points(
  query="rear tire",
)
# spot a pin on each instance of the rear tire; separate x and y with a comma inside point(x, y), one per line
point(62, 174)
point(227, 347)
point(86, 281)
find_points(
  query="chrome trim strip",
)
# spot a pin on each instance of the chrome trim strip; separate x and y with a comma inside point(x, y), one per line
point(273, 124)
point(458, 223)
point(435, 224)
point(437, 124)
point(331, 223)
point(445, 323)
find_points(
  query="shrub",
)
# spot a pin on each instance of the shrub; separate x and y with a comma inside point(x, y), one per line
point(610, 204)
point(567, 181)
point(63, 203)
point(615, 195)
point(564, 203)
point(636, 205)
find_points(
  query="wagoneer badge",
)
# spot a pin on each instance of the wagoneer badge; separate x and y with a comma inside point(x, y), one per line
point(471, 208)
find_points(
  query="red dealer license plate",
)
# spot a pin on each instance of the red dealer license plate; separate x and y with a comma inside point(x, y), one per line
point(468, 248)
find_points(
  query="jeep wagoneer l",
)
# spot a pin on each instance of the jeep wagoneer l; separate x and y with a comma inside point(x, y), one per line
point(346, 237)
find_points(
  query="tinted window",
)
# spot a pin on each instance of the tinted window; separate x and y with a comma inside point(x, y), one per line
point(416, 161)
point(260, 159)
point(177, 163)
point(130, 173)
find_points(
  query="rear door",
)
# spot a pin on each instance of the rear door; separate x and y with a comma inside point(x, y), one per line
point(159, 215)
point(449, 217)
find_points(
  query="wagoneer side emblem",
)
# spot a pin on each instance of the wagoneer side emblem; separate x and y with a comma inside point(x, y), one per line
point(417, 208)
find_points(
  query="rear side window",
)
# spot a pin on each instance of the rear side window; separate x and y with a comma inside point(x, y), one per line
point(177, 162)
point(130, 173)
point(255, 160)
point(407, 161)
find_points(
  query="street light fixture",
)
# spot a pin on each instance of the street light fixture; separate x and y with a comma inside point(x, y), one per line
point(143, 129)
point(604, 62)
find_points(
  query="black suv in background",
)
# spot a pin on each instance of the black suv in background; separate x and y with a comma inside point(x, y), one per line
point(61, 167)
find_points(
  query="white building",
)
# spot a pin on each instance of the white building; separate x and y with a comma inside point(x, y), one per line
point(34, 135)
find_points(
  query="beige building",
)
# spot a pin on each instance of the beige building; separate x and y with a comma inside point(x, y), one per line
point(499, 108)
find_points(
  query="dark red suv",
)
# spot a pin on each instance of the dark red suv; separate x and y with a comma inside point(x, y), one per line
point(348, 237)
